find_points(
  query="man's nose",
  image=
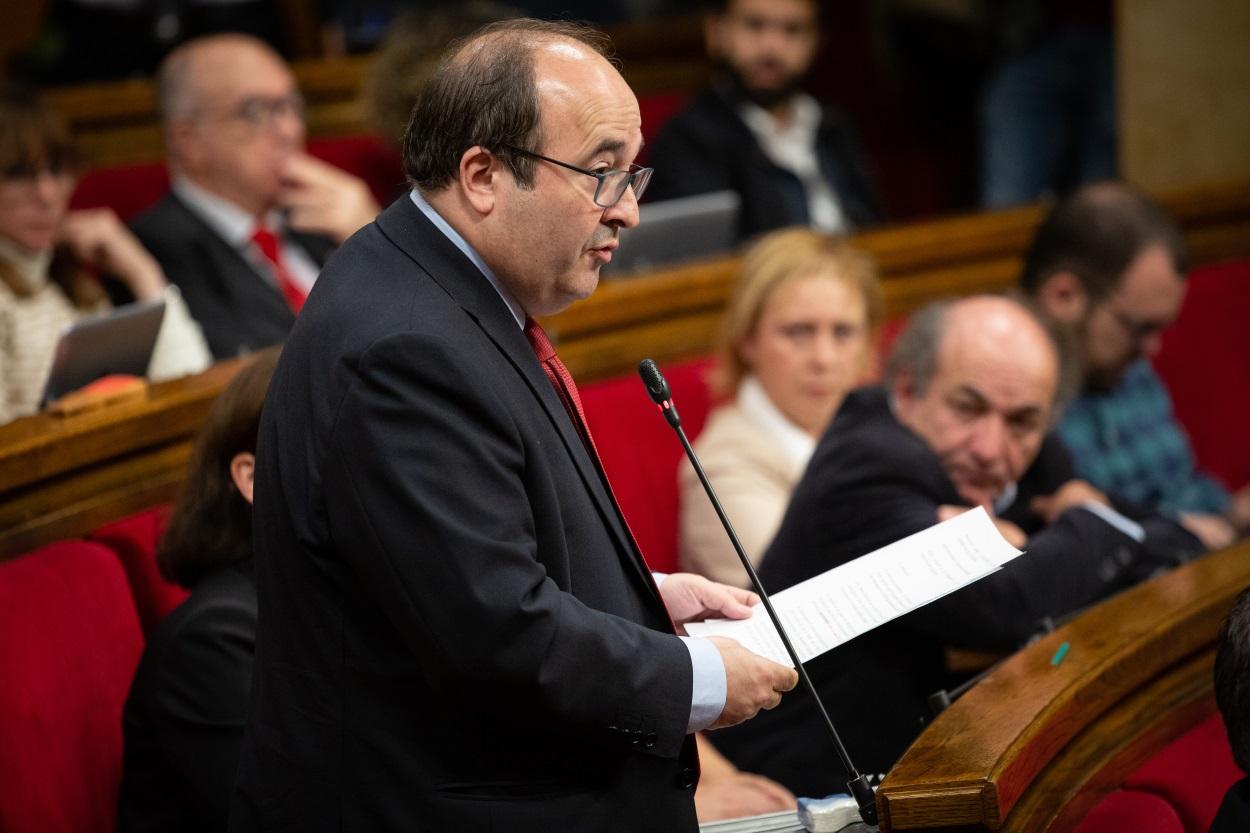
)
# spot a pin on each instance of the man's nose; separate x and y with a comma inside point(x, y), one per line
point(625, 212)
point(988, 441)
point(47, 186)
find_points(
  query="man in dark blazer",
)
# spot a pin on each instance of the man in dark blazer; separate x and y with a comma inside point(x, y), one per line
point(250, 218)
point(752, 130)
point(457, 631)
point(963, 422)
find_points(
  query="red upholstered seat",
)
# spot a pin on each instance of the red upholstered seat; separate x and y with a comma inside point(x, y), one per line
point(640, 451)
point(132, 189)
point(1205, 362)
point(1192, 773)
point(656, 110)
point(127, 189)
point(134, 540)
point(69, 644)
point(1130, 811)
point(1178, 790)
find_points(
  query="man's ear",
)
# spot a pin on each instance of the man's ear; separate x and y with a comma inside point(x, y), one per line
point(243, 473)
point(1063, 298)
point(903, 395)
point(479, 175)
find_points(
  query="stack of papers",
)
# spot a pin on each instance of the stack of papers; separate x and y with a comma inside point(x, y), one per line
point(786, 822)
point(840, 604)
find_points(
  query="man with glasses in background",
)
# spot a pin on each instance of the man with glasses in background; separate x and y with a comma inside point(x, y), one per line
point(250, 217)
point(1107, 267)
point(458, 631)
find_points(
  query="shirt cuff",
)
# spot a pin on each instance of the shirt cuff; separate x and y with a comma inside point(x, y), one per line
point(658, 577)
point(1129, 527)
point(707, 694)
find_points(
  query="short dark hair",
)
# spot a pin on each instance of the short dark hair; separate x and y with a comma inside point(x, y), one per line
point(1095, 234)
point(484, 93)
point(211, 527)
point(1232, 678)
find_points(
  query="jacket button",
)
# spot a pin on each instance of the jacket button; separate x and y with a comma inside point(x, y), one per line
point(686, 779)
point(648, 742)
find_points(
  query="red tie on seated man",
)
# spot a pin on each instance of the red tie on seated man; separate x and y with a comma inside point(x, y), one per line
point(270, 245)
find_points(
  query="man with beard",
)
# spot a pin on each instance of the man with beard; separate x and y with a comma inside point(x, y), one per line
point(250, 217)
point(755, 132)
point(1108, 267)
point(962, 421)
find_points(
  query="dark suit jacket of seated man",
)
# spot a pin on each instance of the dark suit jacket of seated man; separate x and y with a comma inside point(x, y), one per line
point(873, 481)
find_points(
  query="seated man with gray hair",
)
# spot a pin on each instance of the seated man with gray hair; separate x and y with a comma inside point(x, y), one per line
point(962, 421)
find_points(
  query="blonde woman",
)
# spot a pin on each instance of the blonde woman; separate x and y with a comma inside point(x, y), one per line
point(797, 335)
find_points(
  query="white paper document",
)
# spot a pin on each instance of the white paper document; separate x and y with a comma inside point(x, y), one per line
point(840, 604)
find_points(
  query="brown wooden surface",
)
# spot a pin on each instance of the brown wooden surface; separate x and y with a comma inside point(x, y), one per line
point(116, 123)
point(673, 314)
point(1034, 746)
point(65, 476)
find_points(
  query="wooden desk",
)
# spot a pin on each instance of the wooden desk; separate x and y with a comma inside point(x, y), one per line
point(1034, 746)
point(64, 477)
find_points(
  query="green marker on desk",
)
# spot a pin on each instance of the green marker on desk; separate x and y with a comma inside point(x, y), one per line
point(1059, 654)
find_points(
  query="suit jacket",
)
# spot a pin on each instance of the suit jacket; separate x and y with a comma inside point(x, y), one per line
point(236, 307)
point(708, 147)
point(753, 478)
point(871, 482)
point(183, 720)
point(457, 632)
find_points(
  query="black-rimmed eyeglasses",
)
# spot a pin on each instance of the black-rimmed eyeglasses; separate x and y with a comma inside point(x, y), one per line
point(611, 183)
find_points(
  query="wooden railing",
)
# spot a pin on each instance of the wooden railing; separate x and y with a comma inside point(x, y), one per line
point(1034, 746)
point(674, 314)
point(63, 476)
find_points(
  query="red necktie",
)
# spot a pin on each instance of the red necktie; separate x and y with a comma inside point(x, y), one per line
point(566, 389)
point(269, 246)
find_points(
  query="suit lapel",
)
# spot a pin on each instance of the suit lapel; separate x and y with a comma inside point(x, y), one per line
point(404, 225)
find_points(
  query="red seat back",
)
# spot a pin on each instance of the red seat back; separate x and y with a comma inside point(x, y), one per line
point(134, 539)
point(1131, 811)
point(69, 645)
point(640, 452)
point(1205, 362)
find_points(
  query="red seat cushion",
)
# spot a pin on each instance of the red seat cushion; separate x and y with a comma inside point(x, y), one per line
point(368, 157)
point(134, 540)
point(69, 645)
point(640, 452)
point(127, 189)
point(1192, 773)
point(1205, 362)
point(1130, 811)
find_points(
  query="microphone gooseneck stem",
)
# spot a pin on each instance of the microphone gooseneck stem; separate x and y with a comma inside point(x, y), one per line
point(858, 784)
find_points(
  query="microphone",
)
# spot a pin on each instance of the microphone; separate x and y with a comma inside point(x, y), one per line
point(858, 786)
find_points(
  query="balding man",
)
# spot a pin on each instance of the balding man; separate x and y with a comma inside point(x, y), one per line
point(250, 217)
point(961, 422)
point(458, 632)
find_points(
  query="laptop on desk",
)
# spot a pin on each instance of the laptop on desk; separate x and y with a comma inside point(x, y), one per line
point(675, 231)
point(118, 341)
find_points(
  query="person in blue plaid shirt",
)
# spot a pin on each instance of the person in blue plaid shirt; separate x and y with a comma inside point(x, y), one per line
point(1107, 267)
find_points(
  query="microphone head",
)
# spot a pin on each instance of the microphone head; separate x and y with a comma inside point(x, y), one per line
point(653, 380)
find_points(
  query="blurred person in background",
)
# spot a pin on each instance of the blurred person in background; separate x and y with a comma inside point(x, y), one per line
point(754, 131)
point(183, 720)
point(1108, 268)
point(57, 265)
point(250, 217)
point(797, 335)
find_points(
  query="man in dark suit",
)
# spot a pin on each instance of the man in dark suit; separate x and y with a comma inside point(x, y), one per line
point(250, 217)
point(754, 131)
point(962, 422)
point(457, 631)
